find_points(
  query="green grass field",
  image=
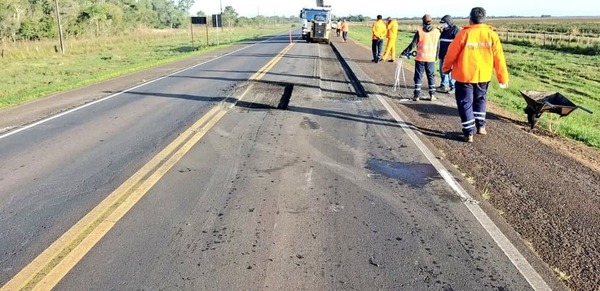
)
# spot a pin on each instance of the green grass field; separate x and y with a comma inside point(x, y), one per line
point(34, 69)
point(532, 68)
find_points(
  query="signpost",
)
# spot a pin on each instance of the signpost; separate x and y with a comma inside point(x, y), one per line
point(217, 22)
point(198, 20)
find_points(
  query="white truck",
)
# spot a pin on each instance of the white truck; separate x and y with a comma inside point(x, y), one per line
point(316, 24)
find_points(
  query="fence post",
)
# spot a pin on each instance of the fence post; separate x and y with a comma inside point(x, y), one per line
point(544, 42)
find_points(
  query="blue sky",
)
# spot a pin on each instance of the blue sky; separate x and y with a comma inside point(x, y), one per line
point(398, 8)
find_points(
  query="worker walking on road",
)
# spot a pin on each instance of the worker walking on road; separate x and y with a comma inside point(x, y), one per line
point(392, 36)
point(378, 30)
point(472, 57)
point(449, 32)
point(426, 39)
point(344, 26)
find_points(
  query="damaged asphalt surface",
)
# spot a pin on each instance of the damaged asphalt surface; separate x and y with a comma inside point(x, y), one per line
point(320, 191)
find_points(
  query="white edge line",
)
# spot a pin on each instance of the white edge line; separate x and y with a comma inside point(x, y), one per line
point(518, 260)
point(125, 91)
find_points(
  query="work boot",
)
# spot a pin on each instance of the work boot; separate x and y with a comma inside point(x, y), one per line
point(469, 138)
point(481, 130)
point(416, 98)
point(442, 89)
point(390, 61)
point(432, 97)
point(451, 91)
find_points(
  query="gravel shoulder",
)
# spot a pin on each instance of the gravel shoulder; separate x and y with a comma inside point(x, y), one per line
point(546, 188)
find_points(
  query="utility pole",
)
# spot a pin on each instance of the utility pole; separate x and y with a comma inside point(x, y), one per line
point(60, 35)
point(221, 9)
point(217, 20)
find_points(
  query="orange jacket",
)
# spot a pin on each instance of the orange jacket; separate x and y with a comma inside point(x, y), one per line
point(427, 45)
point(474, 53)
point(344, 26)
point(378, 29)
point(392, 29)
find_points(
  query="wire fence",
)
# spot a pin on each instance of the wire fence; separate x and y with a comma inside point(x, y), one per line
point(540, 38)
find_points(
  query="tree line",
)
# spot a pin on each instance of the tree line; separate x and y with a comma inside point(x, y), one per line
point(25, 20)
point(231, 18)
point(37, 19)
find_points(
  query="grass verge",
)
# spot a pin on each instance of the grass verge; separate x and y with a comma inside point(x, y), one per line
point(34, 69)
point(535, 68)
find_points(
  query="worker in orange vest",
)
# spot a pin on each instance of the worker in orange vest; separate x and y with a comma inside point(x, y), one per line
point(378, 30)
point(473, 56)
point(392, 36)
point(426, 39)
point(344, 26)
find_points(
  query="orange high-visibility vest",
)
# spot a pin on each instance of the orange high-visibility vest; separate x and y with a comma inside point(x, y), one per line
point(474, 55)
point(427, 45)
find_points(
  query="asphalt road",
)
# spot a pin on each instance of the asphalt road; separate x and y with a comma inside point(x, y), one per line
point(328, 192)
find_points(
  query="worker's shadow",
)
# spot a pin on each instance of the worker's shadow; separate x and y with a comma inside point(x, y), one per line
point(443, 121)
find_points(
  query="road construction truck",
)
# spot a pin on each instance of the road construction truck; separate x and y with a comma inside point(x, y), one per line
point(316, 24)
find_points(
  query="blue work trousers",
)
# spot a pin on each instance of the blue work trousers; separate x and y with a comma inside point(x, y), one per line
point(429, 69)
point(471, 100)
point(446, 79)
point(377, 48)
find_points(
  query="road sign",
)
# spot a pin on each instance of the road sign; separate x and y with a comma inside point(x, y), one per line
point(217, 20)
point(198, 19)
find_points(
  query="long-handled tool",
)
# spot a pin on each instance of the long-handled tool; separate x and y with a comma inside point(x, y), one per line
point(400, 72)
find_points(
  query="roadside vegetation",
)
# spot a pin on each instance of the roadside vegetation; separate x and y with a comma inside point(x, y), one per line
point(106, 39)
point(533, 67)
point(33, 70)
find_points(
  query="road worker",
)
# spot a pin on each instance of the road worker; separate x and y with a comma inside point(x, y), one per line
point(449, 31)
point(392, 35)
point(426, 39)
point(378, 30)
point(344, 26)
point(472, 57)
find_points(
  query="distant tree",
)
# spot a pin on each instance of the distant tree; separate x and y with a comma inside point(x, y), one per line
point(200, 13)
point(355, 18)
point(546, 15)
point(229, 15)
point(11, 16)
point(260, 20)
point(244, 21)
point(185, 5)
point(167, 13)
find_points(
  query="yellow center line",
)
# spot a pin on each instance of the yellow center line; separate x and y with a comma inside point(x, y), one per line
point(49, 267)
point(266, 68)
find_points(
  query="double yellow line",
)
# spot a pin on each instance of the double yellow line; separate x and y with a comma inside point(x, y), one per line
point(266, 68)
point(48, 268)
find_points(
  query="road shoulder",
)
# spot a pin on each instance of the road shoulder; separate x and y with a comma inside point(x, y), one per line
point(512, 172)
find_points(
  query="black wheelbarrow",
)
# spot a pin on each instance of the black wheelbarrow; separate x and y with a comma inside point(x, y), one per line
point(539, 102)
